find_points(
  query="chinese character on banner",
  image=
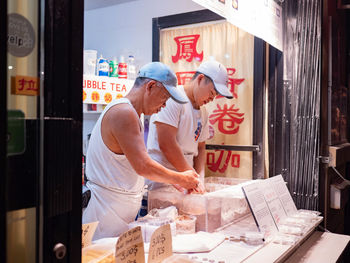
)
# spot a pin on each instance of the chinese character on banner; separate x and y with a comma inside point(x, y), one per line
point(25, 85)
point(186, 48)
point(184, 77)
point(232, 83)
point(228, 119)
point(220, 164)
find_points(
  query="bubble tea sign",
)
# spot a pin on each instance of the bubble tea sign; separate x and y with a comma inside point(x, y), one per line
point(20, 36)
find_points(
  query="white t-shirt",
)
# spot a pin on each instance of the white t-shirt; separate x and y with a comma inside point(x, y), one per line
point(192, 128)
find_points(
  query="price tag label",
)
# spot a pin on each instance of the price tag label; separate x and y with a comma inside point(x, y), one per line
point(160, 246)
point(129, 248)
point(88, 232)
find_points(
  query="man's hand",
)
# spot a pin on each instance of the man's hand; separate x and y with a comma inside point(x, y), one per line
point(200, 189)
point(179, 188)
point(189, 179)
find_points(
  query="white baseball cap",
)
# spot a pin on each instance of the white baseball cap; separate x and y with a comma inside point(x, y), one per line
point(218, 74)
point(162, 73)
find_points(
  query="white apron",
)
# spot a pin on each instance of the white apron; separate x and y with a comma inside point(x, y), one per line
point(116, 189)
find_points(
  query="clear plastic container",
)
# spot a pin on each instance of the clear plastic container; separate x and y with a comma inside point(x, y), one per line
point(308, 212)
point(149, 225)
point(284, 239)
point(212, 210)
point(89, 65)
point(179, 259)
point(185, 224)
point(253, 238)
point(291, 230)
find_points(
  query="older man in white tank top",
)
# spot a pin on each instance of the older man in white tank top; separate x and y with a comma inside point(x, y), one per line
point(117, 159)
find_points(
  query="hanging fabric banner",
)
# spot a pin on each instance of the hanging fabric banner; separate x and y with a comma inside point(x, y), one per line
point(231, 120)
point(261, 18)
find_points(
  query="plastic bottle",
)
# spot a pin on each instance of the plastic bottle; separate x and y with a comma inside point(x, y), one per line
point(113, 67)
point(122, 68)
point(103, 66)
point(132, 72)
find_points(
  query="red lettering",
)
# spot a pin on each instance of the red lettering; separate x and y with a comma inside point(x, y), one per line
point(32, 85)
point(117, 87)
point(184, 77)
point(220, 165)
point(186, 48)
point(236, 159)
point(228, 119)
point(89, 84)
point(22, 83)
point(232, 83)
point(124, 88)
point(103, 85)
point(112, 84)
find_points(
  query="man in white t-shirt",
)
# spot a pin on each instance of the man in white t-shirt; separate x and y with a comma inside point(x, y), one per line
point(177, 133)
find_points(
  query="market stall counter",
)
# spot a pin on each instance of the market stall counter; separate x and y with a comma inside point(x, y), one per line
point(235, 221)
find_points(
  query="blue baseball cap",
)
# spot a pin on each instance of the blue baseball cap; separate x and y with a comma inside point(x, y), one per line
point(163, 74)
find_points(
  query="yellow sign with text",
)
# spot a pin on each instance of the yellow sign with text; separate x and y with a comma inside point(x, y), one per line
point(129, 248)
point(160, 246)
point(24, 85)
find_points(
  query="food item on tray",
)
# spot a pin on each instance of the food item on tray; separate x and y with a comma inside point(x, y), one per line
point(98, 256)
point(168, 212)
point(149, 224)
point(185, 224)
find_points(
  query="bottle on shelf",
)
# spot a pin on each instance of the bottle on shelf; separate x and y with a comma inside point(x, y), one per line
point(103, 66)
point(132, 71)
point(113, 67)
point(122, 68)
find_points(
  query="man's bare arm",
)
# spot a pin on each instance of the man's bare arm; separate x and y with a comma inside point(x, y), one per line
point(122, 123)
point(199, 160)
point(170, 147)
point(172, 150)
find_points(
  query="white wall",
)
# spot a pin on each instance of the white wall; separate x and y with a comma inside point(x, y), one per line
point(127, 28)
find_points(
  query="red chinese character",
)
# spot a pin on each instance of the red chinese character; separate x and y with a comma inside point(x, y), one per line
point(22, 83)
point(32, 85)
point(228, 119)
point(214, 165)
point(184, 77)
point(186, 48)
point(232, 83)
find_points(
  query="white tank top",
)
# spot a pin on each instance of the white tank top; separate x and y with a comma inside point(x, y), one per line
point(116, 189)
point(106, 168)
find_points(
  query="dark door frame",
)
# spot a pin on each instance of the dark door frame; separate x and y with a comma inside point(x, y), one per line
point(60, 220)
point(3, 125)
point(61, 197)
point(201, 16)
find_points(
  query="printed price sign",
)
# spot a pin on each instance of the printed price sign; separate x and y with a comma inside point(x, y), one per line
point(160, 246)
point(259, 208)
point(272, 200)
point(88, 232)
point(129, 248)
point(283, 194)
